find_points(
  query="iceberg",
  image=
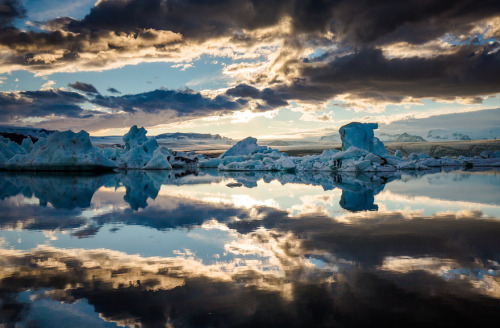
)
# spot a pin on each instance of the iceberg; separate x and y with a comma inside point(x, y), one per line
point(361, 152)
point(361, 135)
point(141, 153)
point(135, 137)
point(9, 149)
point(62, 151)
point(247, 146)
point(158, 162)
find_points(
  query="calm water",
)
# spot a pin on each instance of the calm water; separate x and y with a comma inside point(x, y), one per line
point(250, 249)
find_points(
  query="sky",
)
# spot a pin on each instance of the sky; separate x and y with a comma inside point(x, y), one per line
point(266, 68)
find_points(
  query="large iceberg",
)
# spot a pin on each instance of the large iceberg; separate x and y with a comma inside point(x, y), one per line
point(64, 151)
point(145, 154)
point(361, 135)
point(361, 152)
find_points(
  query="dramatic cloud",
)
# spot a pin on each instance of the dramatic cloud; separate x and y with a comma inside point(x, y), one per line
point(469, 71)
point(65, 104)
point(271, 98)
point(184, 103)
point(115, 30)
point(85, 87)
point(374, 53)
point(42, 103)
point(10, 10)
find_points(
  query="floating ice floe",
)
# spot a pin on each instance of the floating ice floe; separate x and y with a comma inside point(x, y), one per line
point(361, 152)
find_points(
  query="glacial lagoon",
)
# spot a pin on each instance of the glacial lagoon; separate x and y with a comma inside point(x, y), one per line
point(244, 249)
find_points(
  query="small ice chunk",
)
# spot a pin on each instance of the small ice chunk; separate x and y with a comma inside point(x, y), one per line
point(362, 166)
point(27, 144)
point(138, 156)
point(417, 156)
point(285, 164)
point(374, 158)
point(158, 161)
point(210, 163)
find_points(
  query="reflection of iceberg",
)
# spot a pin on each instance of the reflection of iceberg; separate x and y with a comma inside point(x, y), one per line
point(358, 201)
point(66, 191)
point(76, 190)
point(358, 190)
point(139, 187)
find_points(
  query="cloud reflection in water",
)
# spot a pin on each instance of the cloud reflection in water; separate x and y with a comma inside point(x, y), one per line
point(306, 269)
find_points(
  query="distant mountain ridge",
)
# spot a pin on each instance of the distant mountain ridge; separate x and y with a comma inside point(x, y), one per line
point(439, 134)
point(191, 135)
point(403, 137)
point(335, 137)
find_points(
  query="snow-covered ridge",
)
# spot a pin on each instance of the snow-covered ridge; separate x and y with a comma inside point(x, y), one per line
point(191, 135)
point(439, 134)
point(361, 152)
point(403, 137)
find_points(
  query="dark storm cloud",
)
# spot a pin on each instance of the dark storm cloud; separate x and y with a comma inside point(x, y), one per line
point(10, 10)
point(85, 87)
point(364, 22)
point(198, 20)
point(40, 103)
point(357, 21)
point(271, 97)
point(354, 22)
point(44, 103)
point(113, 90)
point(114, 28)
point(470, 71)
point(183, 102)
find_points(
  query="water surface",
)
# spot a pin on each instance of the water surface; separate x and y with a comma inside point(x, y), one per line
point(227, 249)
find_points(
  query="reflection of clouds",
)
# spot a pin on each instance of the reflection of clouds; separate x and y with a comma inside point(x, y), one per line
point(102, 275)
point(279, 288)
point(33, 217)
point(423, 202)
point(485, 280)
point(368, 238)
